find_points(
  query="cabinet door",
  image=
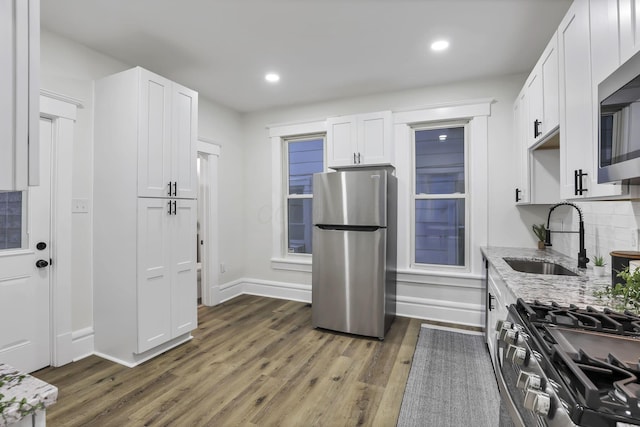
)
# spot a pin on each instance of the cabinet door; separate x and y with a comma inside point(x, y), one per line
point(184, 142)
point(520, 146)
point(534, 124)
point(341, 141)
point(374, 139)
point(605, 56)
point(549, 72)
point(629, 33)
point(184, 293)
point(154, 135)
point(154, 273)
point(20, 89)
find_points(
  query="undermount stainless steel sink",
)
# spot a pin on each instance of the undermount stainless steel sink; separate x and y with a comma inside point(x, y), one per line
point(538, 267)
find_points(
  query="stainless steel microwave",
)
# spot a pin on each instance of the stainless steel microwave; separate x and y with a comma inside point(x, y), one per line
point(619, 130)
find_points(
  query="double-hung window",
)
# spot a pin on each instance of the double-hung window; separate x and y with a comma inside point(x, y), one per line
point(440, 195)
point(304, 157)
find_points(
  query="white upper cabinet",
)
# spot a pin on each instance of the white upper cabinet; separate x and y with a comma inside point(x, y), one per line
point(520, 117)
point(542, 95)
point(629, 28)
point(167, 138)
point(578, 109)
point(20, 93)
point(360, 140)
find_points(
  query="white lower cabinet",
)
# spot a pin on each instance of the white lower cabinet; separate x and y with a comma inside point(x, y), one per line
point(499, 297)
point(166, 270)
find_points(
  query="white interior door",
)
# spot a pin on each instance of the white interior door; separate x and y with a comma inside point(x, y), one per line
point(25, 221)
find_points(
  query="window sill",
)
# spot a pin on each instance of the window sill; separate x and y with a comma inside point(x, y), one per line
point(291, 264)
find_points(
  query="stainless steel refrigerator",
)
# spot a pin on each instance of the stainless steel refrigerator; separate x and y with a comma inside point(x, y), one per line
point(354, 251)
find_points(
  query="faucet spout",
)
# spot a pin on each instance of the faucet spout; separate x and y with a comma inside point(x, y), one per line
point(582, 254)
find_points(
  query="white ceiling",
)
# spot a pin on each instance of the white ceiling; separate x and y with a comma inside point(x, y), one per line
point(323, 49)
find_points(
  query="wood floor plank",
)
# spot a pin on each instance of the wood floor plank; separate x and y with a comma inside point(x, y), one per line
point(253, 361)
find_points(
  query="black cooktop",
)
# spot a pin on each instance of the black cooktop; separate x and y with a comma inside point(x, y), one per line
point(595, 354)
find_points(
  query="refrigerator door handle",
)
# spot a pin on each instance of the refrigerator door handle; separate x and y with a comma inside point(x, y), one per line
point(349, 227)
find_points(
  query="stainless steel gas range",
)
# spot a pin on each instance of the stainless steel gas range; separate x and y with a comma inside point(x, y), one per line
point(567, 366)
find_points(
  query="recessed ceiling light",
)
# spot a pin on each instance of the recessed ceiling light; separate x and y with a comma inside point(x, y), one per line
point(272, 77)
point(439, 45)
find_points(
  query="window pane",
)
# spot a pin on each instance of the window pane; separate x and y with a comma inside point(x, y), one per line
point(300, 226)
point(10, 220)
point(440, 161)
point(305, 159)
point(439, 231)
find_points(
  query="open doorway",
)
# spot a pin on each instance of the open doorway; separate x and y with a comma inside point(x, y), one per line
point(207, 233)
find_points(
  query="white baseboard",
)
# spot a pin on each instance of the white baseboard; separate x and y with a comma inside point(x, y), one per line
point(441, 311)
point(82, 343)
point(460, 313)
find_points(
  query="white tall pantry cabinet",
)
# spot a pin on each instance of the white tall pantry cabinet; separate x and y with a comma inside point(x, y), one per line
point(145, 184)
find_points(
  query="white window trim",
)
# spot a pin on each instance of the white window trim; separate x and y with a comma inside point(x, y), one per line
point(477, 113)
point(280, 258)
point(466, 196)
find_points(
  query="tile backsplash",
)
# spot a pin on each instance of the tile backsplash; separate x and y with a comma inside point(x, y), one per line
point(609, 226)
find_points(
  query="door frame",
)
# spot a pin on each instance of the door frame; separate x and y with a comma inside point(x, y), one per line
point(62, 111)
point(209, 276)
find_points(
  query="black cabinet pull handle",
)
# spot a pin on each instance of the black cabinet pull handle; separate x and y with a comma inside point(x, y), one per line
point(517, 195)
point(358, 158)
point(354, 158)
point(536, 128)
point(577, 177)
point(491, 298)
point(175, 207)
point(169, 188)
point(175, 188)
point(169, 203)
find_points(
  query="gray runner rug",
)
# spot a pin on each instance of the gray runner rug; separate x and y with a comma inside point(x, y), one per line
point(451, 382)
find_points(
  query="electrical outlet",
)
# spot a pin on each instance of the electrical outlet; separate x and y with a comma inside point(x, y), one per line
point(80, 205)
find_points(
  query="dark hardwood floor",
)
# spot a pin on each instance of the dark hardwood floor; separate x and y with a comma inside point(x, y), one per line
point(253, 361)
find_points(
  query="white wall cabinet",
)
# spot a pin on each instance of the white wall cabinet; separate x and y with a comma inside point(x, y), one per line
point(629, 29)
point(538, 167)
point(165, 147)
point(542, 96)
point(521, 152)
point(578, 109)
point(360, 140)
point(20, 89)
point(145, 289)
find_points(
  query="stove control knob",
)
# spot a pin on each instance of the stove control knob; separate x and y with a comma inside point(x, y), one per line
point(518, 355)
point(537, 401)
point(503, 324)
point(527, 380)
point(510, 336)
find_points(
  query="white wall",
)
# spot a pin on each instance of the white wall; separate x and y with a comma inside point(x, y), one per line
point(508, 225)
point(70, 69)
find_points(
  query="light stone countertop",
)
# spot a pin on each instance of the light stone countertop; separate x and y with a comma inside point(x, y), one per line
point(563, 290)
point(38, 395)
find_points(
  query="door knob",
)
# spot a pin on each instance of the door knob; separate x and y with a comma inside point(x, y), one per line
point(41, 246)
point(41, 263)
